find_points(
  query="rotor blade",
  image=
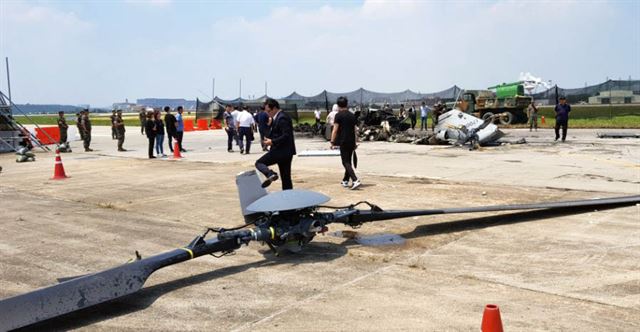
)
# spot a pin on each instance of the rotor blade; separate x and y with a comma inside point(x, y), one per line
point(366, 216)
point(89, 290)
point(63, 279)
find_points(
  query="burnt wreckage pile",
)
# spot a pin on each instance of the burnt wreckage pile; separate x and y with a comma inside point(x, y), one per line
point(452, 127)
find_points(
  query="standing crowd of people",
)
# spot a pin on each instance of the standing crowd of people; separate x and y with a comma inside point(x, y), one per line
point(275, 129)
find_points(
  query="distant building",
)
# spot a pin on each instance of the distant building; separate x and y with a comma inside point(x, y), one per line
point(125, 107)
point(162, 102)
point(615, 97)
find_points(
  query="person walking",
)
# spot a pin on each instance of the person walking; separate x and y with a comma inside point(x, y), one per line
point(532, 114)
point(118, 124)
point(180, 128)
point(170, 123)
point(264, 122)
point(150, 130)
point(244, 126)
point(424, 112)
point(562, 118)
point(330, 117)
point(113, 128)
point(63, 127)
point(159, 126)
point(229, 126)
point(344, 137)
point(282, 146)
point(85, 123)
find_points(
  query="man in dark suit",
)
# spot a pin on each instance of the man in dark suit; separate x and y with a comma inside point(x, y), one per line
point(282, 146)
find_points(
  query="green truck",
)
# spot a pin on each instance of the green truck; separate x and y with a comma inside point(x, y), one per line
point(507, 99)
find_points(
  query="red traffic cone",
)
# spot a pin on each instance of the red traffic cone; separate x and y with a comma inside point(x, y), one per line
point(58, 172)
point(176, 151)
point(491, 321)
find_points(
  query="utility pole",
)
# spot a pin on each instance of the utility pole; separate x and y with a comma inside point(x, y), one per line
point(6, 59)
point(213, 88)
point(265, 88)
point(240, 91)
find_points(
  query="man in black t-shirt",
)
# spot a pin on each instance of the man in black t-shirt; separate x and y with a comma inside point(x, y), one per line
point(170, 124)
point(344, 135)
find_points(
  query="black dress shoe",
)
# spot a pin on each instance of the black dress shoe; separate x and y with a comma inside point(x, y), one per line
point(152, 157)
point(269, 180)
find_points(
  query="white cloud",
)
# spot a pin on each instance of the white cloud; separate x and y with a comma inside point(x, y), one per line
point(426, 46)
point(379, 45)
point(40, 42)
point(23, 13)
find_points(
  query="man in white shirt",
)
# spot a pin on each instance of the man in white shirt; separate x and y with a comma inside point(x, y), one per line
point(330, 117)
point(244, 126)
point(424, 111)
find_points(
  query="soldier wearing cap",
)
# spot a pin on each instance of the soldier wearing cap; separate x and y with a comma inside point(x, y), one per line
point(113, 127)
point(142, 116)
point(85, 124)
point(118, 124)
point(63, 127)
point(79, 124)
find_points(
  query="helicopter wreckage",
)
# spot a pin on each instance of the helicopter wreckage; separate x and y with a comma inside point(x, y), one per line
point(453, 127)
point(283, 220)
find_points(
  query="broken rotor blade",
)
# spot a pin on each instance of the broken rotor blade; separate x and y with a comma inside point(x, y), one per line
point(92, 289)
point(366, 216)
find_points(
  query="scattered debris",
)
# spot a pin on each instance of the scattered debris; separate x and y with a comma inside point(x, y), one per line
point(64, 147)
point(453, 127)
point(319, 153)
point(371, 240)
point(23, 155)
point(310, 130)
point(460, 128)
point(618, 135)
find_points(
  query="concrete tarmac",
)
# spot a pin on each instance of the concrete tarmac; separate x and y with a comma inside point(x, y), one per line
point(550, 271)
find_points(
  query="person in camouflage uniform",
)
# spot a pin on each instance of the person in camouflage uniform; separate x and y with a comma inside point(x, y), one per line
point(63, 127)
point(438, 109)
point(118, 124)
point(142, 116)
point(86, 128)
point(113, 128)
point(79, 124)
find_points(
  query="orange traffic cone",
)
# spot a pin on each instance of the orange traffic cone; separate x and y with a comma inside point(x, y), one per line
point(176, 151)
point(58, 172)
point(542, 119)
point(491, 321)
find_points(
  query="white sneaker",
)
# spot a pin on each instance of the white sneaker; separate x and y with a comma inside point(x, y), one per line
point(345, 184)
point(355, 184)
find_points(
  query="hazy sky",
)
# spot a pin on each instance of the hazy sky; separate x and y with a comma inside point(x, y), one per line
point(100, 52)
